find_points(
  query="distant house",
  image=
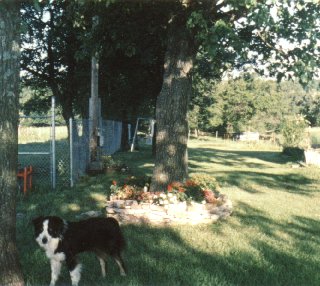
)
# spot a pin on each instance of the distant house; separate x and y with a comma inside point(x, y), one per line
point(249, 136)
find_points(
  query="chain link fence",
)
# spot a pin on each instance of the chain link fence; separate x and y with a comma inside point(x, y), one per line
point(110, 136)
point(62, 154)
point(35, 148)
point(79, 148)
point(109, 143)
point(54, 156)
point(59, 159)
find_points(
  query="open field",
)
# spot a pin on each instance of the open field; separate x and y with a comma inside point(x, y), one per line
point(272, 238)
point(29, 134)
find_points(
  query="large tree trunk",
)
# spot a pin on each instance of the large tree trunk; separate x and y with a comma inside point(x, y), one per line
point(10, 270)
point(171, 161)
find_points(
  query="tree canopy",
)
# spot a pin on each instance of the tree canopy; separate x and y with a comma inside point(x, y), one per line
point(59, 42)
point(276, 38)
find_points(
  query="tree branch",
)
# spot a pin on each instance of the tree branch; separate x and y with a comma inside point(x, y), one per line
point(35, 73)
point(263, 38)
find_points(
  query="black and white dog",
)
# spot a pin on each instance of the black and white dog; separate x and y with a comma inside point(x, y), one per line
point(63, 240)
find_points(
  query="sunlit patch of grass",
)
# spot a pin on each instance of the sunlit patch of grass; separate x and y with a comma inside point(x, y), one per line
point(70, 207)
point(99, 198)
point(30, 134)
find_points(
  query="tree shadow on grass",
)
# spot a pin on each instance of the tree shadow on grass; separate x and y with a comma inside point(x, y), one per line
point(161, 256)
point(290, 248)
point(303, 231)
point(249, 159)
point(253, 182)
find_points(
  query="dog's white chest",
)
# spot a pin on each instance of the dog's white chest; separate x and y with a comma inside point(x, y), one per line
point(51, 248)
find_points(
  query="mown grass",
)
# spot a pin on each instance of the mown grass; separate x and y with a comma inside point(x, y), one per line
point(33, 134)
point(272, 238)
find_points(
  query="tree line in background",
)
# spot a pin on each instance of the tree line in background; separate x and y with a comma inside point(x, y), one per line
point(250, 103)
point(247, 103)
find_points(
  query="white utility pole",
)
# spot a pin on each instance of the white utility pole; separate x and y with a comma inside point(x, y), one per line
point(94, 108)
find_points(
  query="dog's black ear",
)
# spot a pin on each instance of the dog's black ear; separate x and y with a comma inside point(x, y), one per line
point(38, 220)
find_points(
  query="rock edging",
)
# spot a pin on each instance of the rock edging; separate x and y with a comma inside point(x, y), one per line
point(130, 211)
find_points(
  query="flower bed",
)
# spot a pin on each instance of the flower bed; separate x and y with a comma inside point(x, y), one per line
point(198, 200)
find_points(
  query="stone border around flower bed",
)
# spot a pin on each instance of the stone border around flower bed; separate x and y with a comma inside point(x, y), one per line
point(130, 211)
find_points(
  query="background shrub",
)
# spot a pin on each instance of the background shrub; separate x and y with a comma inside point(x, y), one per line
point(293, 131)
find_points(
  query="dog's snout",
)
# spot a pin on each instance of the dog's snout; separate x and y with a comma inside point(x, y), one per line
point(44, 240)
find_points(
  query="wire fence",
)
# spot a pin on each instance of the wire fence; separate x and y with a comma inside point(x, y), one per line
point(35, 148)
point(79, 148)
point(271, 137)
point(111, 133)
point(109, 143)
point(59, 160)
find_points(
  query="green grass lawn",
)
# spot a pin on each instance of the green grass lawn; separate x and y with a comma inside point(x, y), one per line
point(272, 238)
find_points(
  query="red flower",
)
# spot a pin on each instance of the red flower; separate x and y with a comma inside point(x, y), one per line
point(181, 190)
point(176, 185)
point(190, 183)
point(169, 188)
